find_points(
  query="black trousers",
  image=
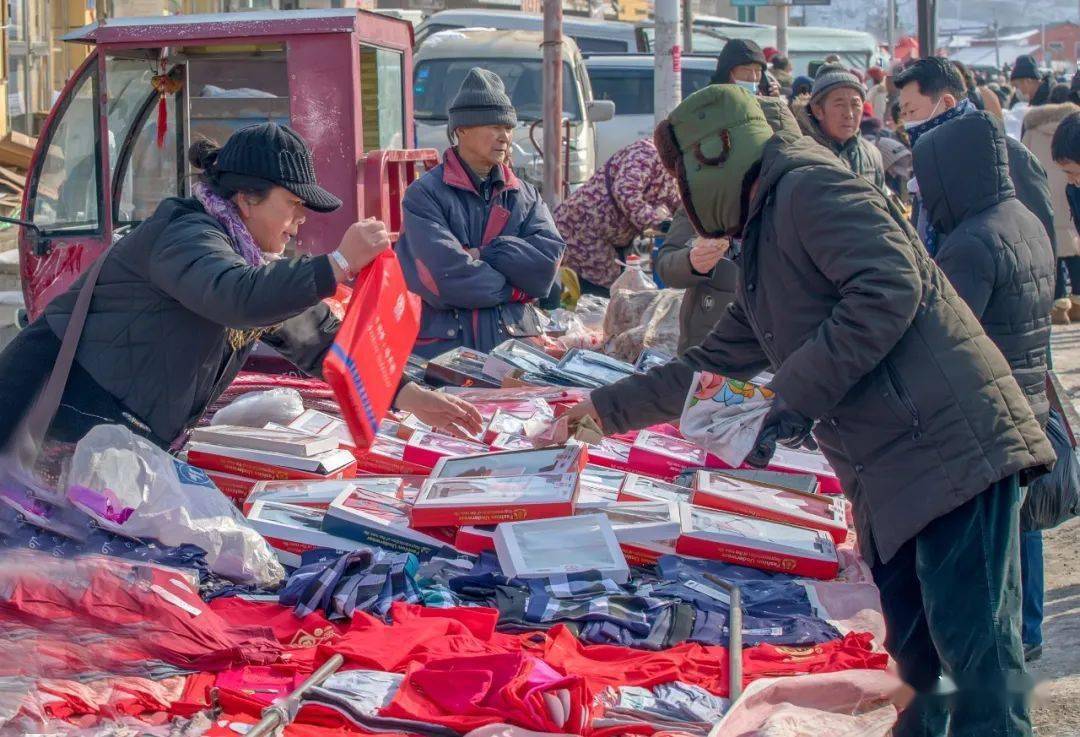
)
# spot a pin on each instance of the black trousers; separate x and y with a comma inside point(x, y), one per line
point(25, 366)
point(951, 599)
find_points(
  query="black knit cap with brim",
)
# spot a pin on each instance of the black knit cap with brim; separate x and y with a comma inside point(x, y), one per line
point(1025, 67)
point(277, 154)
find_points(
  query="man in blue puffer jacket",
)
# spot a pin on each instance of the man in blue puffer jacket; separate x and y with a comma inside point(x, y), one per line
point(477, 245)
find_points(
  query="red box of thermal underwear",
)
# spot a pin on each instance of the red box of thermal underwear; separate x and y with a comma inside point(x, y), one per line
point(757, 543)
point(489, 500)
point(386, 456)
point(428, 448)
point(237, 488)
point(810, 462)
point(511, 442)
point(611, 453)
point(664, 456)
point(292, 531)
point(475, 539)
point(647, 553)
point(264, 466)
point(715, 490)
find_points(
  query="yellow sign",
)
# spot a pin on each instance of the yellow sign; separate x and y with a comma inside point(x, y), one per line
point(634, 10)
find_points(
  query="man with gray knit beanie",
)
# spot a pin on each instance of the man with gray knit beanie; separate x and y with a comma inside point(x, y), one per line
point(478, 245)
point(831, 116)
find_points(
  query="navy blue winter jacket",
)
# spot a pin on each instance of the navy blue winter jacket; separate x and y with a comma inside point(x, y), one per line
point(476, 302)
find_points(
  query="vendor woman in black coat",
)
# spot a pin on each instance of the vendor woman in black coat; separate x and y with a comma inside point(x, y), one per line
point(181, 300)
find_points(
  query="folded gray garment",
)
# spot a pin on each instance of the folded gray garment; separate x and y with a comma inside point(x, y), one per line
point(358, 695)
point(670, 704)
point(692, 703)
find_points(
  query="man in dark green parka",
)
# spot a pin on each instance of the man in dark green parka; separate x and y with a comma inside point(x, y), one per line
point(916, 408)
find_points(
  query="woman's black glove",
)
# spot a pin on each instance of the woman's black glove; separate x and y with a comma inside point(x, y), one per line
point(783, 425)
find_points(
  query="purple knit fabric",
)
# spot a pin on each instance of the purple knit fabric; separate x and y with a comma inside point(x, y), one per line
point(225, 212)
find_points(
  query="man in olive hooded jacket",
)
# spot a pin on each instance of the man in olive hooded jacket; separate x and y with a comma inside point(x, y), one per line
point(916, 409)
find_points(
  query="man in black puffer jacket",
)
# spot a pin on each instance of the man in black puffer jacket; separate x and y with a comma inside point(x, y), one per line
point(995, 252)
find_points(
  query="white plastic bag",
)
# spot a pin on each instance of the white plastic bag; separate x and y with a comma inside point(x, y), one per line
point(724, 415)
point(169, 501)
point(633, 277)
point(256, 409)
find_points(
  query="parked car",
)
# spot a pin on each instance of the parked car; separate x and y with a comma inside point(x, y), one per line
point(627, 80)
point(516, 56)
point(590, 34)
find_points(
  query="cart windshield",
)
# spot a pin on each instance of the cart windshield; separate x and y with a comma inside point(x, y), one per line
point(437, 82)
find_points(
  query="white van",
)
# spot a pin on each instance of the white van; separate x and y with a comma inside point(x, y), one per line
point(592, 35)
point(856, 49)
point(442, 62)
point(627, 80)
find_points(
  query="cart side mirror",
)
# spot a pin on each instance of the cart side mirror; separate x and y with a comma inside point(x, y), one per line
point(600, 111)
point(39, 244)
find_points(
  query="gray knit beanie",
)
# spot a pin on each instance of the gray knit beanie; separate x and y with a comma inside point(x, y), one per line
point(830, 77)
point(482, 100)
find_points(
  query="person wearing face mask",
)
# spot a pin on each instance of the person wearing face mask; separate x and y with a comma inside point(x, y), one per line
point(181, 300)
point(742, 62)
point(915, 407)
point(478, 245)
point(932, 92)
point(831, 116)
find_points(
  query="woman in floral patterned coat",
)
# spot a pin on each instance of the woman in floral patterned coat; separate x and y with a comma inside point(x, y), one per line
point(630, 194)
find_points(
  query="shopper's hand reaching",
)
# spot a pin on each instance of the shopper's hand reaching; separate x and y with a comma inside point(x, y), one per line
point(785, 425)
point(443, 412)
point(362, 242)
point(582, 409)
point(706, 253)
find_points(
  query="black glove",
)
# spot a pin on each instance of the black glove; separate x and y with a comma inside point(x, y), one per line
point(783, 425)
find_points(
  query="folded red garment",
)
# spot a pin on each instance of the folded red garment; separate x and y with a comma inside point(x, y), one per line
point(466, 693)
point(439, 634)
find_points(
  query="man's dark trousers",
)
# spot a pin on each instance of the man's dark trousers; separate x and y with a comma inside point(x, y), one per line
point(951, 598)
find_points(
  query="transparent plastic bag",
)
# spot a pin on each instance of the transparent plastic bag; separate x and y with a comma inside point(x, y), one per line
point(141, 491)
point(256, 409)
point(633, 278)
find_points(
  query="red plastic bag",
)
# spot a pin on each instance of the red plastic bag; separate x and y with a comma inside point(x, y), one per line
point(365, 364)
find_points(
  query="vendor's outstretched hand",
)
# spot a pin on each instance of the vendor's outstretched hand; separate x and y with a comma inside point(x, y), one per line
point(362, 242)
point(783, 425)
point(580, 410)
point(443, 412)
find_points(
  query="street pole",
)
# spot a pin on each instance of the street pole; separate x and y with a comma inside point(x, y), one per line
point(667, 78)
point(997, 47)
point(553, 102)
point(1042, 43)
point(782, 10)
point(890, 29)
point(688, 26)
point(28, 115)
point(927, 14)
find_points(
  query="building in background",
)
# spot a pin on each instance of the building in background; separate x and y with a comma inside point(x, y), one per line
point(1055, 45)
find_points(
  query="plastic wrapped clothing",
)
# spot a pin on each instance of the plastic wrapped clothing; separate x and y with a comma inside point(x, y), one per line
point(639, 320)
point(725, 415)
point(139, 490)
